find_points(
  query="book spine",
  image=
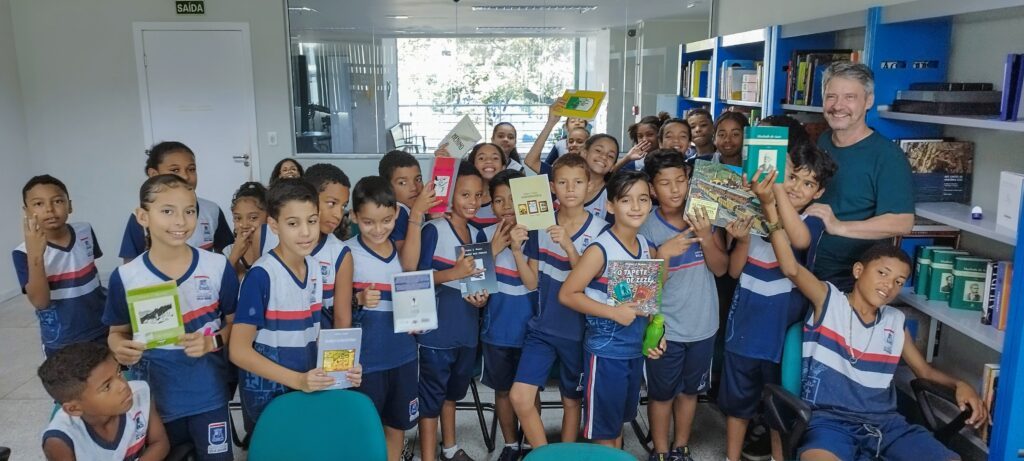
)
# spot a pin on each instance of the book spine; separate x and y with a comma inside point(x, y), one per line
point(1009, 72)
point(1004, 301)
point(986, 302)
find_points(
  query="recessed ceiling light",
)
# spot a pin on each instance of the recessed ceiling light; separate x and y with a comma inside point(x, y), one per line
point(326, 28)
point(397, 17)
point(517, 8)
point(302, 9)
point(519, 29)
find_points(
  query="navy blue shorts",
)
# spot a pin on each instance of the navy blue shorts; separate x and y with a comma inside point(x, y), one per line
point(890, 437)
point(500, 364)
point(685, 368)
point(743, 380)
point(209, 432)
point(444, 375)
point(395, 393)
point(539, 354)
point(612, 395)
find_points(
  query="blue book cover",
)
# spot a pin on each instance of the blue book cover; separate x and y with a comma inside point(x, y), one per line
point(1010, 71)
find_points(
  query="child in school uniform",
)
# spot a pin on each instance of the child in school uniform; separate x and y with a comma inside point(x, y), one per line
point(576, 136)
point(673, 134)
point(556, 332)
point(249, 214)
point(188, 379)
point(728, 139)
point(56, 267)
point(505, 137)
point(414, 198)
point(448, 354)
point(614, 358)
point(390, 370)
point(702, 132)
point(567, 145)
point(695, 256)
point(509, 310)
point(212, 232)
point(765, 302)
point(101, 415)
point(852, 345)
point(332, 187)
point(280, 301)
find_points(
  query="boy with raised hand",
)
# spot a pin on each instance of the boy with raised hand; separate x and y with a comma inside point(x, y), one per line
point(765, 302)
point(402, 171)
point(448, 354)
point(555, 331)
point(695, 256)
point(849, 363)
point(101, 416)
point(509, 310)
point(56, 267)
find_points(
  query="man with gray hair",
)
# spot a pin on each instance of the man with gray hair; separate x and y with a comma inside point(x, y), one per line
point(871, 198)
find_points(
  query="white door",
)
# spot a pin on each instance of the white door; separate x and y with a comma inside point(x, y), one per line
point(196, 87)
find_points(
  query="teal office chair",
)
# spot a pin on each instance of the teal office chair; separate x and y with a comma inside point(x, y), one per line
point(325, 425)
point(577, 452)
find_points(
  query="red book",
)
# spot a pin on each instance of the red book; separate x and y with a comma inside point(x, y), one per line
point(442, 177)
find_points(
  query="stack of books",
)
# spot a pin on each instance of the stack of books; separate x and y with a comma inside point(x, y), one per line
point(696, 83)
point(804, 72)
point(740, 80)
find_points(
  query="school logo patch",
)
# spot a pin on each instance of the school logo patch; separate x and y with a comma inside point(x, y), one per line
point(325, 270)
point(204, 292)
point(207, 232)
point(87, 241)
point(217, 438)
point(890, 337)
point(414, 409)
point(140, 426)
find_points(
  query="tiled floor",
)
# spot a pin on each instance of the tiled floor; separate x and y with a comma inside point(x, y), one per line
point(24, 406)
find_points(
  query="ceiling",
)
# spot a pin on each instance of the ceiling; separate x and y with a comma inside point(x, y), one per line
point(441, 17)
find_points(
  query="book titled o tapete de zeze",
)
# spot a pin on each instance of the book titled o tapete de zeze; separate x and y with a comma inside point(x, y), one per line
point(155, 312)
point(764, 147)
point(531, 197)
point(637, 280)
point(581, 104)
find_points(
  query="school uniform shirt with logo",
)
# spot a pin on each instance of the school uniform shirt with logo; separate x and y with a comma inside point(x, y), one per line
point(458, 322)
point(207, 292)
point(552, 318)
point(689, 299)
point(129, 443)
point(328, 253)
point(383, 349)
point(605, 337)
point(596, 206)
point(212, 231)
point(766, 302)
point(854, 382)
point(286, 313)
point(76, 295)
point(509, 310)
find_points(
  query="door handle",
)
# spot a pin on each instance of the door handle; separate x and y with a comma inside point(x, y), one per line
point(242, 158)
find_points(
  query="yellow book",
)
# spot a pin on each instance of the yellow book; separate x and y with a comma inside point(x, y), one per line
point(581, 104)
point(532, 198)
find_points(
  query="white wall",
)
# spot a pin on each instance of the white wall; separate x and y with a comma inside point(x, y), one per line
point(743, 15)
point(13, 152)
point(80, 90)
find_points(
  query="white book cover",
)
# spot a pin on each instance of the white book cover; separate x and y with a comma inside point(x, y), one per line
point(337, 352)
point(462, 138)
point(414, 301)
point(1011, 185)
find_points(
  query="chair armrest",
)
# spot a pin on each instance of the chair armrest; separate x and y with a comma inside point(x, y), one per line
point(787, 414)
point(923, 388)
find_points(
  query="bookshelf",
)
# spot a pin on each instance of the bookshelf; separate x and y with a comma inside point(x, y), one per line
point(688, 52)
point(964, 321)
point(800, 108)
point(958, 215)
point(750, 45)
point(986, 122)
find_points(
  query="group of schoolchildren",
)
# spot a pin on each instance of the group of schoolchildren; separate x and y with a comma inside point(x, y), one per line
point(254, 300)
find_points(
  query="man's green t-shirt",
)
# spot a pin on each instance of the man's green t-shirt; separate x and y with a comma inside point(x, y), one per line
point(873, 179)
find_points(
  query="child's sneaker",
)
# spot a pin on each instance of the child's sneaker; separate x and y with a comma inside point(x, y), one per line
point(680, 454)
point(509, 454)
point(406, 450)
point(458, 456)
point(658, 457)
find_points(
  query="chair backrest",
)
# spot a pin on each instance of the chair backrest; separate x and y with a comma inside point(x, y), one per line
point(326, 425)
point(792, 351)
point(577, 452)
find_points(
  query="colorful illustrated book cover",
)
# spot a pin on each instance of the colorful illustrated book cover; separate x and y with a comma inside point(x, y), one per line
point(765, 146)
point(719, 189)
point(637, 280)
point(337, 352)
point(414, 301)
point(532, 198)
point(155, 312)
point(581, 104)
point(443, 178)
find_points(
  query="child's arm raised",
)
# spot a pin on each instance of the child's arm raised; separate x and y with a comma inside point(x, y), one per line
point(409, 252)
point(343, 292)
point(37, 286)
point(532, 160)
point(157, 443)
point(767, 192)
point(815, 290)
point(712, 244)
point(966, 396)
point(635, 153)
point(739, 230)
point(572, 295)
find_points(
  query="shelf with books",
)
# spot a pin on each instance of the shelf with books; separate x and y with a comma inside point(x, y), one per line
point(694, 84)
point(734, 102)
point(958, 215)
point(965, 321)
point(740, 62)
point(699, 99)
point(987, 122)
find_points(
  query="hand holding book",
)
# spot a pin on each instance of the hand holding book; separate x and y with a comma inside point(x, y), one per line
point(624, 314)
point(700, 222)
point(315, 380)
point(196, 344)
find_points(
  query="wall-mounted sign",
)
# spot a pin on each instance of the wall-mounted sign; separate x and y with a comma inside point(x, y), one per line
point(190, 7)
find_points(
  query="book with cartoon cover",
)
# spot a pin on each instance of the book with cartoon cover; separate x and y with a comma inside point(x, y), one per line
point(720, 191)
point(637, 280)
point(531, 197)
point(337, 352)
point(484, 259)
point(581, 104)
point(155, 313)
point(413, 301)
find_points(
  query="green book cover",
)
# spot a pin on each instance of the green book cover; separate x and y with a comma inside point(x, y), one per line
point(923, 267)
point(155, 312)
point(765, 146)
point(940, 280)
point(637, 280)
point(968, 282)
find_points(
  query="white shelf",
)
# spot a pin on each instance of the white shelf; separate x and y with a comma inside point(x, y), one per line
point(707, 44)
point(980, 121)
point(737, 102)
point(964, 321)
point(744, 38)
point(800, 108)
point(958, 215)
point(698, 99)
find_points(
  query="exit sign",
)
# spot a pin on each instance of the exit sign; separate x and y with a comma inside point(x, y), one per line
point(190, 7)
